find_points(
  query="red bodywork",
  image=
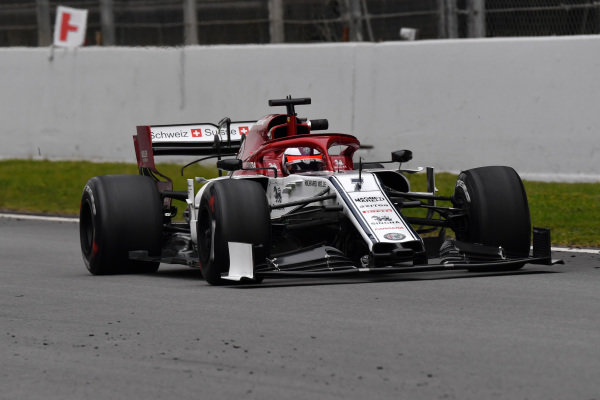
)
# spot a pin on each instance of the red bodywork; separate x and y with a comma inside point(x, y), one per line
point(270, 137)
point(142, 142)
point(263, 147)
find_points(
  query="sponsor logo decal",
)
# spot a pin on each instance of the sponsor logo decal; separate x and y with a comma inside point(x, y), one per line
point(91, 194)
point(462, 185)
point(315, 183)
point(394, 236)
point(170, 135)
point(372, 205)
point(277, 192)
point(383, 218)
point(196, 132)
point(369, 199)
point(339, 165)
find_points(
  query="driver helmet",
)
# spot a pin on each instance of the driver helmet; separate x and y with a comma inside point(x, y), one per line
point(303, 159)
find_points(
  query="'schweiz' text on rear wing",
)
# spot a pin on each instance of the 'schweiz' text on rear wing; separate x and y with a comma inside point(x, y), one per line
point(188, 139)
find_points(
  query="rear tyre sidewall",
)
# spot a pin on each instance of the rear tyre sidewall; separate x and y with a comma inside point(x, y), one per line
point(231, 210)
point(120, 213)
point(497, 210)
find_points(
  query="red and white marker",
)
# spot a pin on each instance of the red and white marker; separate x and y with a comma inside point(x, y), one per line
point(69, 29)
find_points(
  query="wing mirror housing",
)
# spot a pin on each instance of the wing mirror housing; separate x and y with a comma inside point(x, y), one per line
point(235, 164)
point(402, 156)
point(230, 164)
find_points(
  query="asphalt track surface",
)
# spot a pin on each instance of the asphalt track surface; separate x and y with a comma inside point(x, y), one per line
point(533, 334)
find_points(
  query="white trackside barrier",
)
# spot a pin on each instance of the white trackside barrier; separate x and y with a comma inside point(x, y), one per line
point(531, 103)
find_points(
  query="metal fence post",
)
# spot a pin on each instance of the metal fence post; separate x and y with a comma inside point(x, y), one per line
point(107, 21)
point(276, 26)
point(442, 26)
point(365, 11)
point(355, 21)
point(476, 18)
point(451, 19)
point(598, 19)
point(43, 23)
point(190, 22)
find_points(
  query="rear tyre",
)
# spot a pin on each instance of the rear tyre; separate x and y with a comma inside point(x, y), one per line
point(231, 210)
point(497, 211)
point(120, 213)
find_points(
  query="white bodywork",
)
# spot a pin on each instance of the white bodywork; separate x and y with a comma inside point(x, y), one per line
point(374, 209)
point(197, 133)
point(240, 262)
point(365, 204)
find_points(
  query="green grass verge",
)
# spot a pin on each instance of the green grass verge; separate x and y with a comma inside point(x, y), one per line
point(54, 187)
point(571, 210)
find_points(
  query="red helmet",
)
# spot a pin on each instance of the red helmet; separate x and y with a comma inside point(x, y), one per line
point(293, 164)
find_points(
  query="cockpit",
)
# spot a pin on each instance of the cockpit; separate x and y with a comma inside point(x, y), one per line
point(302, 159)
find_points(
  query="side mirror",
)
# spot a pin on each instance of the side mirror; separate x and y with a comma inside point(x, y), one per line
point(402, 156)
point(230, 164)
point(319, 124)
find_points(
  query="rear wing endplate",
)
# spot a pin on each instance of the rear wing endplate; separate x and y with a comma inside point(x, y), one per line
point(187, 139)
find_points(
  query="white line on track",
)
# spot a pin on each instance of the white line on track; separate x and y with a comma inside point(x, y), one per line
point(73, 220)
point(38, 217)
point(575, 250)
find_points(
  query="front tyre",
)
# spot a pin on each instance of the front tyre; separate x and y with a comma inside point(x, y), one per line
point(120, 213)
point(231, 210)
point(496, 208)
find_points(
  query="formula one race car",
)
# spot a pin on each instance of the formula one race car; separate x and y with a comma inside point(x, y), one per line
point(294, 204)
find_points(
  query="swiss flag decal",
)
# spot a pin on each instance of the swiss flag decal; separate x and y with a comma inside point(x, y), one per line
point(243, 130)
point(196, 132)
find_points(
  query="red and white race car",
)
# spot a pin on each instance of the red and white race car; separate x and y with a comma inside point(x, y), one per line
point(295, 203)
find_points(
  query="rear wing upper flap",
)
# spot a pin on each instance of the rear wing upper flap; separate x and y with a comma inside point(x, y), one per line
point(188, 139)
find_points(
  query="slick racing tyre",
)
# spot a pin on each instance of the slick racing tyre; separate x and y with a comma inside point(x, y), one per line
point(231, 210)
point(497, 212)
point(120, 213)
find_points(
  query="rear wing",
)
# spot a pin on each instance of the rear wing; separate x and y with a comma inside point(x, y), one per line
point(204, 139)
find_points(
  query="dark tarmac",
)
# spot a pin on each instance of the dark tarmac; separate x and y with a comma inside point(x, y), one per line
point(533, 334)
